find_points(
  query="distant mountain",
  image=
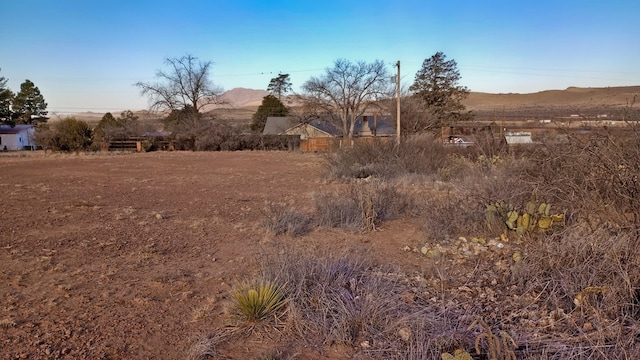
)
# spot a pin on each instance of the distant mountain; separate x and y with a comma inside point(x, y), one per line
point(241, 97)
point(570, 97)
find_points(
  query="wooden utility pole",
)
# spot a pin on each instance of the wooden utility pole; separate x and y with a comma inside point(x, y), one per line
point(398, 105)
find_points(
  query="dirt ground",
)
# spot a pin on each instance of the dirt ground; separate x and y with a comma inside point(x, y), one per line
point(125, 256)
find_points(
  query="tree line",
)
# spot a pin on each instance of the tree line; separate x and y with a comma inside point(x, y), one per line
point(341, 94)
point(27, 106)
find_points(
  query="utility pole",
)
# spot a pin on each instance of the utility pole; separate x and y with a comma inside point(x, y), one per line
point(398, 105)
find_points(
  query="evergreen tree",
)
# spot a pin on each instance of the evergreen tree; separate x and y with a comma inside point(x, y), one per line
point(436, 84)
point(279, 85)
point(6, 98)
point(110, 127)
point(28, 105)
point(270, 106)
point(104, 128)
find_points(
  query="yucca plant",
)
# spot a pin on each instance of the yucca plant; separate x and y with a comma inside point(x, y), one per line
point(258, 300)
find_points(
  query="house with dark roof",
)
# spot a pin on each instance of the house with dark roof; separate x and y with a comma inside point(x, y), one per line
point(276, 125)
point(18, 137)
point(313, 129)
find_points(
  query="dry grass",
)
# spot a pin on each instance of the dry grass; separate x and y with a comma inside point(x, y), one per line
point(7, 323)
point(595, 272)
point(596, 177)
point(422, 154)
point(276, 354)
point(575, 293)
point(284, 219)
point(360, 206)
point(208, 346)
point(346, 300)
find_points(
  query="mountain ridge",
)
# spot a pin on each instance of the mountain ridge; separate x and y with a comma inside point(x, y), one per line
point(616, 96)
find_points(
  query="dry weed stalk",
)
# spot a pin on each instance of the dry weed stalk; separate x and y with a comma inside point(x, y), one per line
point(367, 210)
point(7, 323)
point(501, 347)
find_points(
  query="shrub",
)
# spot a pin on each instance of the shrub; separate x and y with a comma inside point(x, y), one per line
point(595, 177)
point(452, 216)
point(383, 159)
point(345, 299)
point(67, 135)
point(283, 219)
point(472, 186)
point(580, 263)
point(360, 206)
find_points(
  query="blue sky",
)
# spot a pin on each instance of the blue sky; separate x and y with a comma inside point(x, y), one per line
point(86, 55)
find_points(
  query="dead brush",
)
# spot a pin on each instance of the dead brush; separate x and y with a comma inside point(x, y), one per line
point(276, 354)
point(7, 323)
point(596, 177)
point(577, 259)
point(418, 154)
point(501, 346)
point(283, 219)
point(207, 346)
point(345, 299)
point(592, 277)
point(361, 206)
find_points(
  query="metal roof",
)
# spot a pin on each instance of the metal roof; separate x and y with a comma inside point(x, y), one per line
point(8, 129)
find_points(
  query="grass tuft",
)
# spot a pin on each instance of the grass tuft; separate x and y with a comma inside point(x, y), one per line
point(360, 206)
point(283, 219)
point(258, 300)
point(7, 323)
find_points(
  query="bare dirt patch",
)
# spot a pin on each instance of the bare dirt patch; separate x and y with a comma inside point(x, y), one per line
point(133, 256)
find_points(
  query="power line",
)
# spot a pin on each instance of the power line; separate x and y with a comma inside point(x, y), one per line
point(267, 73)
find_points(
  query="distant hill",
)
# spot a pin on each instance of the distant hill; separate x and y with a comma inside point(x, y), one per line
point(571, 97)
point(243, 102)
point(574, 97)
point(242, 97)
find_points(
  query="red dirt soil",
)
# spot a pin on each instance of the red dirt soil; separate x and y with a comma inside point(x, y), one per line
point(133, 255)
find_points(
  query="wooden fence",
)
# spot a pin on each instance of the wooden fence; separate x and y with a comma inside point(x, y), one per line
point(138, 144)
point(329, 144)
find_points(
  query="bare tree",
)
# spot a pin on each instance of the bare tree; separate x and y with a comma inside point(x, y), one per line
point(348, 90)
point(416, 116)
point(186, 85)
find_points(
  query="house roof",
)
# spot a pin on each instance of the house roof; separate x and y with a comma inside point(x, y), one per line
point(276, 125)
point(8, 129)
point(324, 126)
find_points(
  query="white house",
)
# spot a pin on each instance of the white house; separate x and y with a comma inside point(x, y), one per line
point(18, 137)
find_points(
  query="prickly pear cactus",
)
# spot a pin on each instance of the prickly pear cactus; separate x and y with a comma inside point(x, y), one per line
point(535, 218)
point(459, 354)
